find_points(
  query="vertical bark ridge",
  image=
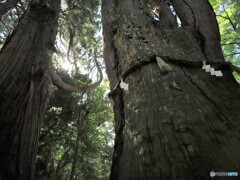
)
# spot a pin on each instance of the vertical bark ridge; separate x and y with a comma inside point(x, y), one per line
point(176, 131)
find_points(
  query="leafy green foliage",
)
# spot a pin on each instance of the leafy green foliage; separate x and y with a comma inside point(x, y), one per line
point(228, 16)
point(69, 116)
point(79, 26)
point(77, 136)
point(10, 20)
point(85, 120)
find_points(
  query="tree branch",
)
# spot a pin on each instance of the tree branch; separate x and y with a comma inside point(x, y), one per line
point(231, 22)
point(57, 81)
point(234, 53)
point(73, 6)
point(235, 68)
point(229, 19)
point(62, 163)
point(231, 43)
point(6, 6)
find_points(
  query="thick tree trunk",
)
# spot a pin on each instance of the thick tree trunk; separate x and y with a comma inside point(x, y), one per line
point(176, 121)
point(24, 88)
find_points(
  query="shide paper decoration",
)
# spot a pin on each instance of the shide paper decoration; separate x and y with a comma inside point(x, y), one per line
point(212, 71)
point(124, 85)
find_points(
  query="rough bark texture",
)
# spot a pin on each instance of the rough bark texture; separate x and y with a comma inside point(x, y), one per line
point(24, 88)
point(200, 15)
point(180, 124)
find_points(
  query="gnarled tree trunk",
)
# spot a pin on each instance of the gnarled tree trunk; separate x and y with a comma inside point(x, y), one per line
point(176, 121)
point(24, 88)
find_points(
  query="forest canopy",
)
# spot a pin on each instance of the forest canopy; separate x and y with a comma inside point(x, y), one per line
point(77, 135)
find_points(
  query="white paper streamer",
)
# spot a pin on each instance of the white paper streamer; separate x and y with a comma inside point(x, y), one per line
point(208, 67)
point(124, 85)
point(212, 71)
point(218, 73)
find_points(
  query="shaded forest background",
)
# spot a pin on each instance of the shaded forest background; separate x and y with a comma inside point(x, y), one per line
point(76, 140)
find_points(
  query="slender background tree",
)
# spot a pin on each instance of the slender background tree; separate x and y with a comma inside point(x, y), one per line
point(75, 141)
point(227, 13)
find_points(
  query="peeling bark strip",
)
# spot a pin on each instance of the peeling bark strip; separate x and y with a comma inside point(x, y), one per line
point(24, 88)
point(179, 125)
